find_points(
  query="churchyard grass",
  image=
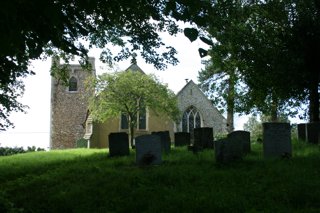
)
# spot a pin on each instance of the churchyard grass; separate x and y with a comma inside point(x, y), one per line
point(82, 180)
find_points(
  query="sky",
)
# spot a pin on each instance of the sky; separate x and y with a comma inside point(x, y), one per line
point(32, 128)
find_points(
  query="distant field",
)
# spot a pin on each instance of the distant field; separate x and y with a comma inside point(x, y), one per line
point(82, 180)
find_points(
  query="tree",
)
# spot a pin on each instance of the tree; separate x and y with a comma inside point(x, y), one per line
point(129, 93)
point(221, 84)
point(254, 126)
point(38, 29)
point(275, 44)
point(9, 103)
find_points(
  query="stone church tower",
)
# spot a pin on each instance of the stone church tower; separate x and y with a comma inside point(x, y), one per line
point(69, 107)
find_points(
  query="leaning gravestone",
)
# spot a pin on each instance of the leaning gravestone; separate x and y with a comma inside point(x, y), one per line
point(312, 132)
point(148, 150)
point(165, 140)
point(302, 131)
point(181, 139)
point(227, 150)
point(118, 144)
point(276, 140)
point(203, 138)
point(242, 137)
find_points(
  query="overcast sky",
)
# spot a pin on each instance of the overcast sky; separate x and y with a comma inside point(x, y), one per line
point(33, 128)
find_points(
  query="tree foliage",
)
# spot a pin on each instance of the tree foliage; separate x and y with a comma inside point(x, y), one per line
point(274, 45)
point(222, 85)
point(37, 29)
point(129, 92)
point(8, 99)
point(254, 125)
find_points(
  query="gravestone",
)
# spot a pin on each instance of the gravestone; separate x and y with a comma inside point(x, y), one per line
point(165, 140)
point(312, 132)
point(203, 138)
point(302, 131)
point(148, 150)
point(277, 140)
point(118, 144)
point(242, 137)
point(227, 150)
point(181, 139)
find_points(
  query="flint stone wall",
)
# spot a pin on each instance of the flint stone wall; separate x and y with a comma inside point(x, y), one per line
point(191, 95)
point(69, 109)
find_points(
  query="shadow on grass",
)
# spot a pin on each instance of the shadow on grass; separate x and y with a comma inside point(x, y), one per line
point(90, 181)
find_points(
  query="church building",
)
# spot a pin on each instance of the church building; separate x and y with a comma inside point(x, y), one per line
point(71, 121)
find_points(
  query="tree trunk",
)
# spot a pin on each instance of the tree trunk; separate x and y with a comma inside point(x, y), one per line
point(131, 129)
point(230, 103)
point(131, 135)
point(274, 111)
point(314, 102)
point(313, 67)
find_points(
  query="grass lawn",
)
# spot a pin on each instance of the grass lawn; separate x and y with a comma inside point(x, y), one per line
point(82, 180)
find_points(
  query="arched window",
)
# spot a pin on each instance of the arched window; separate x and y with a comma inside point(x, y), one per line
point(141, 120)
point(124, 121)
point(190, 119)
point(73, 84)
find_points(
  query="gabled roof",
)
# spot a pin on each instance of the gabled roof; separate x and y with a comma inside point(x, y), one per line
point(190, 82)
point(135, 68)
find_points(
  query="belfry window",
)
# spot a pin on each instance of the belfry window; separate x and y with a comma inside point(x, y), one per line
point(73, 84)
point(190, 119)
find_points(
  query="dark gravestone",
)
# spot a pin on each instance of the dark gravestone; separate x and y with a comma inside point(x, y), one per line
point(197, 142)
point(165, 140)
point(312, 132)
point(203, 138)
point(118, 144)
point(276, 140)
point(181, 139)
point(148, 150)
point(302, 132)
point(227, 150)
point(242, 137)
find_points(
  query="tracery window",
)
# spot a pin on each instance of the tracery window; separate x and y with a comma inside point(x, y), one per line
point(190, 119)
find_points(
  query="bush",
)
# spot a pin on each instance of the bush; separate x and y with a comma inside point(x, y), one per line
point(6, 151)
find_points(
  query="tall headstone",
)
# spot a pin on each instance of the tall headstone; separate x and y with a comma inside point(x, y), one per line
point(276, 140)
point(228, 150)
point(118, 144)
point(302, 132)
point(203, 138)
point(181, 139)
point(312, 132)
point(242, 137)
point(148, 150)
point(165, 140)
